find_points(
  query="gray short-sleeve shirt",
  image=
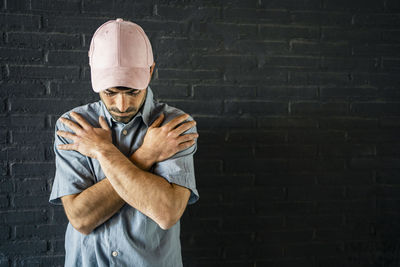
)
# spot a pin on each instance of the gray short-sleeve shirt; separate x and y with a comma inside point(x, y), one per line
point(128, 238)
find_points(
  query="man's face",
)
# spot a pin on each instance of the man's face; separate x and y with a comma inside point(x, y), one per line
point(123, 104)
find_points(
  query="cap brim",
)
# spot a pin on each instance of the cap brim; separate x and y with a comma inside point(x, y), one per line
point(136, 78)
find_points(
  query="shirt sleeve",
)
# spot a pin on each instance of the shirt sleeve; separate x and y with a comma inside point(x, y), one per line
point(179, 169)
point(73, 174)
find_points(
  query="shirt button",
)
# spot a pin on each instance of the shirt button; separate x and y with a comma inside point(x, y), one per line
point(115, 253)
point(124, 132)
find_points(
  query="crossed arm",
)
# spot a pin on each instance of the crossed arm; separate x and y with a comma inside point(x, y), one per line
point(128, 180)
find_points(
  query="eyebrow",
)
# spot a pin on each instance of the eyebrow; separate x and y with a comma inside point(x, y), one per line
point(127, 91)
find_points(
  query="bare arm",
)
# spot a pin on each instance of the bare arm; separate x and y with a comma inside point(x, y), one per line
point(151, 194)
point(95, 205)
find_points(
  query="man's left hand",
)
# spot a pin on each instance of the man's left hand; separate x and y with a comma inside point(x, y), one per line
point(88, 140)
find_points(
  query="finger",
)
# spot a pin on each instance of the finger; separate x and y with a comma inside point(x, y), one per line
point(185, 145)
point(82, 122)
point(184, 127)
point(67, 147)
point(103, 123)
point(174, 122)
point(158, 121)
point(72, 125)
point(187, 137)
point(66, 134)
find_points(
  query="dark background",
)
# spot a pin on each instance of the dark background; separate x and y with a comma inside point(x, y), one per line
point(297, 104)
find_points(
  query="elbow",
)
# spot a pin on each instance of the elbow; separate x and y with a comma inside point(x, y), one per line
point(81, 227)
point(169, 218)
point(167, 223)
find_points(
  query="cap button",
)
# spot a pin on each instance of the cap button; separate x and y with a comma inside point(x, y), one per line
point(119, 20)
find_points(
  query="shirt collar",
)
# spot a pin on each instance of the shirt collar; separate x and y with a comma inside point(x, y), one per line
point(143, 112)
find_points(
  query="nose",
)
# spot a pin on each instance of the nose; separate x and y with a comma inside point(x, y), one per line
point(121, 103)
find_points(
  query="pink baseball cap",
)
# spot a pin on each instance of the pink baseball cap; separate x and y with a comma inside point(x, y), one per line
point(120, 54)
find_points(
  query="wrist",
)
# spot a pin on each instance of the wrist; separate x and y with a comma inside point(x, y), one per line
point(143, 159)
point(105, 150)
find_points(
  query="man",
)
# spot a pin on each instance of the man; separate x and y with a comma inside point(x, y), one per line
point(124, 164)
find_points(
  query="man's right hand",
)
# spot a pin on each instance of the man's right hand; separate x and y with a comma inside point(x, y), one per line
point(161, 143)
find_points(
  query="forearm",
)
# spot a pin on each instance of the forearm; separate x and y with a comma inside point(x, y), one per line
point(98, 203)
point(146, 192)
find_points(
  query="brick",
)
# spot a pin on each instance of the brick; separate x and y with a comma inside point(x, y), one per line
point(264, 47)
point(320, 48)
point(334, 136)
point(391, 64)
point(24, 137)
point(74, 90)
point(41, 231)
point(375, 108)
point(6, 186)
point(4, 233)
point(229, 32)
point(345, 178)
point(252, 15)
point(47, 105)
point(356, 35)
point(256, 107)
point(388, 177)
point(37, 169)
point(72, 6)
point(197, 107)
point(65, 58)
point(18, 5)
point(389, 122)
point(171, 91)
point(307, 4)
point(324, 18)
point(328, 108)
point(319, 78)
point(220, 122)
point(341, 150)
point(62, 24)
point(204, 61)
point(49, 40)
point(12, 22)
point(57, 260)
point(41, 72)
point(383, 150)
point(24, 89)
point(377, 20)
point(286, 122)
point(186, 12)
point(183, 75)
point(353, 93)
point(4, 202)
point(267, 179)
point(325, 249)
point(32, 187)
point(300, 92)
point(372, 135)
point(36, 201)
point(123, 9)
point(349, 63)
point(217, 91)
point(288, 32)
point(24, 247)
point(23, 217)
point(262, 75)
point(234, 151)
point(247, 136)
point(285, 151)
point(27, 121)
point(21, 55)
point(357, 4)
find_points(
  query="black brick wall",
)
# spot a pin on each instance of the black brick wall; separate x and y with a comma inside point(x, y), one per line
point(297, 104)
